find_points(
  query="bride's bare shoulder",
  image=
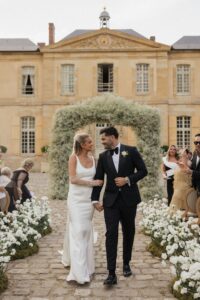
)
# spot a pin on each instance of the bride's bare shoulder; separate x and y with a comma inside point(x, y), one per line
point(72, 157)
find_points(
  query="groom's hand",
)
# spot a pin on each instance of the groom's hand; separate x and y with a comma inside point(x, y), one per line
point(98, 206)
point(120, 181)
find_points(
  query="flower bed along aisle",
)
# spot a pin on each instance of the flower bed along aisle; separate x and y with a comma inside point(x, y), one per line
point(20, 231)
point(175, 240)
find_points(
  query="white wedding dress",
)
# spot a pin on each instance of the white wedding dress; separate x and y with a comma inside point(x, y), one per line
point(78, 242)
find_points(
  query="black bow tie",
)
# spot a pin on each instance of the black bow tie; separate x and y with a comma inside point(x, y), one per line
point(116, 150)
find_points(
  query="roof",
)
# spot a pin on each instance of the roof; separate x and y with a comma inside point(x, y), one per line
point(79, 32)
point(187, 43)
point(17, 45)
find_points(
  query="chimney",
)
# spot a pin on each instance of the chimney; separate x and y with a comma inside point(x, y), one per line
point(51, 33)
point(41, 45)
point(153, 38)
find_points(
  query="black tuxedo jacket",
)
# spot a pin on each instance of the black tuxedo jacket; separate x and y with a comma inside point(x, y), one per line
point(195, 173)
point(131, 165)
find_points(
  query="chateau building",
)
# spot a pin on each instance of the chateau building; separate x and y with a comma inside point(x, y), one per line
point(36, 80)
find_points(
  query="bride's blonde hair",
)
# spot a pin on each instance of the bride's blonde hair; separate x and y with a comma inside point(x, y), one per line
point(79, 139)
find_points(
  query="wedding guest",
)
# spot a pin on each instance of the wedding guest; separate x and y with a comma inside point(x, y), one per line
point(194, 171)
point(169, 165)
point(195, 166)
point(4, 196)
point(182, 183)
point(17, 188)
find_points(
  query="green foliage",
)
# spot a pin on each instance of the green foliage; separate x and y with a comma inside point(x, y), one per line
point(155, 249)
point(46, 230)
point(45, 149)
point(3, 149)
point(144, 121)
point(164, 148)
point(3, 281)
point(177, 294)
point(24, 250)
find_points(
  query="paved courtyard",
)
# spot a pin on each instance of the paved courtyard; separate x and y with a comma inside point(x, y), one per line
point(43, 277)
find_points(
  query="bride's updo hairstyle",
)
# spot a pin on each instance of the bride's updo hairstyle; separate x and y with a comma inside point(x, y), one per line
point(79, 139)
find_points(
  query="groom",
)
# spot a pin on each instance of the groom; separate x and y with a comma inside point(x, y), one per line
point(123, 167)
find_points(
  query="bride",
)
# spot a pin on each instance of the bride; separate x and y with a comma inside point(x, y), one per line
point(78, 241)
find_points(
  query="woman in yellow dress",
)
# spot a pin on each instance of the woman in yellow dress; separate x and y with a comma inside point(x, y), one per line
point(182, 183)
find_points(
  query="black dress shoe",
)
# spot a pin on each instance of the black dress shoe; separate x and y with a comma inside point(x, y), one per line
point(110, 280)
point(127, 271)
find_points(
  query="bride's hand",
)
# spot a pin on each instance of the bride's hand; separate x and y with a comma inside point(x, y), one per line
point(96, 182)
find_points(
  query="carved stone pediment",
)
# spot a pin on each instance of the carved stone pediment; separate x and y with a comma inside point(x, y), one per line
point(104, 42)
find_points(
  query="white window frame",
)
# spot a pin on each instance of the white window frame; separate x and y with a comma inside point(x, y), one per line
point(67, 79)
point(142, 78)
point(27, 135)
point(183, 131)
point(28, 80)
point(183, 79)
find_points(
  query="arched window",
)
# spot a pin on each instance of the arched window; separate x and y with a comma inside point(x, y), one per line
point(28, 135)
point(183, 134)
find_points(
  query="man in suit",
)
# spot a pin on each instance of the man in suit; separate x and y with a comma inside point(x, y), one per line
point(195, 166)
point(123, 167)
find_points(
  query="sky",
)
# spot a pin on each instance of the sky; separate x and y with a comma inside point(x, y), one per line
point(168, 20)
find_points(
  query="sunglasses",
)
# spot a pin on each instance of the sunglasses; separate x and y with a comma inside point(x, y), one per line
point(197, 143)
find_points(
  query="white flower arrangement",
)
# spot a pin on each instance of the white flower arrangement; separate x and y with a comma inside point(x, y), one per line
point(180, 242)
point(22, 228)
point(143, 120)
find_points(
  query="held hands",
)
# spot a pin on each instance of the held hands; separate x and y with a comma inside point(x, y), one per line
point(120, 181)
point(98, 206)
point(96, 182)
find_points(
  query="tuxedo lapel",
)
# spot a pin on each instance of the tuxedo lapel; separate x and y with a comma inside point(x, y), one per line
point(197, 166)
point(194, 158)
point(111, 163)
point(194, 162)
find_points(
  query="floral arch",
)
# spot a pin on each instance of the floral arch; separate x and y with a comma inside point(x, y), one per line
point(144, 120)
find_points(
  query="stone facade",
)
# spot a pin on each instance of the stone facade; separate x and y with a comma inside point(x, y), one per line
point(85, 52)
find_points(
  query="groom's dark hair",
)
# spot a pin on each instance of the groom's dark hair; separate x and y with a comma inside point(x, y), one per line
point(110, 131)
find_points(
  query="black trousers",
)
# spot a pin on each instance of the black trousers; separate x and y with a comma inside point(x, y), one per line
point(170, 189)
point(119, 212)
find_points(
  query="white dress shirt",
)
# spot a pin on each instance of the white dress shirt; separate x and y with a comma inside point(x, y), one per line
point(115, 158)
point(197, 161)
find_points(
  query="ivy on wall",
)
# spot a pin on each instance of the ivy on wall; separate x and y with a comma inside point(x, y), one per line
point(144, 120)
